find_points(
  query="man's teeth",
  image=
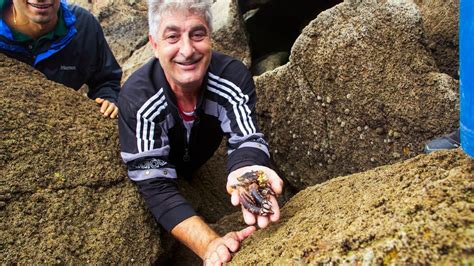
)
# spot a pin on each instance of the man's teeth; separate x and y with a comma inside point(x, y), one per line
point(41, 6)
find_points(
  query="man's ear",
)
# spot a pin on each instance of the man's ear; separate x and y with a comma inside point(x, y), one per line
point(152, 41)
point(154, 45)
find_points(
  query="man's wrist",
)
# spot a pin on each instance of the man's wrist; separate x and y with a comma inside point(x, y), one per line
point(195, 234)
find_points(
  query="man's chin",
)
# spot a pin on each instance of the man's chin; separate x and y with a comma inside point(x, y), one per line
point(41, 20)
point(190, 83)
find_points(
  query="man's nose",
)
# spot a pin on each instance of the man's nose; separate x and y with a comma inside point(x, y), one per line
point(186, 48)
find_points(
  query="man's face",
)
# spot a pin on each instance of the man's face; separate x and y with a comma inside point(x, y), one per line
point(183, 46)
point(37, 11)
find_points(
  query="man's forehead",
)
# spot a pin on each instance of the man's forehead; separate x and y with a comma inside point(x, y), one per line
point(180, 21)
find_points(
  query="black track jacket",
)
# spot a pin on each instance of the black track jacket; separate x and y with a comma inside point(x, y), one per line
point(154, 142)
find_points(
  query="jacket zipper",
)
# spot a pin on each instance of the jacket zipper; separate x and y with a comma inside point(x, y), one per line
point(187, 156)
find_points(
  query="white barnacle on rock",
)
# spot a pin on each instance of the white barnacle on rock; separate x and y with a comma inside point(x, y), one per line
point(368, 257)
point(390, 133)
point(396, 135)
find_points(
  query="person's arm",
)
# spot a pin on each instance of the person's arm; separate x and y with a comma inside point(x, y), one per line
point(207, 244)
point(154, 178)
point(104, 85)
point(247, 148)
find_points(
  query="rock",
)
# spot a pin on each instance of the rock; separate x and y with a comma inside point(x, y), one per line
point(125, 24)
point(441, 24)
point(69, 198)
point(269, 63)
point(373, 52)
point(229, 35)
point(384, 215)
point(138, 58)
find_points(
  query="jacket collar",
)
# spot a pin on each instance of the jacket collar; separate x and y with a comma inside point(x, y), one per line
point(158, 78)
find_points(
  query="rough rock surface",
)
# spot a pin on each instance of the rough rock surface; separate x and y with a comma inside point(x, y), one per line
point(360, 90)
point(64, 193)
point(441, 24)
point(229, 35)
point(415, 212)
point(124, 23)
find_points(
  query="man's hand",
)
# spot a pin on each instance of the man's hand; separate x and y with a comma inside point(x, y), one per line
point(220, 249)
point(109, 109)
point(276, 184)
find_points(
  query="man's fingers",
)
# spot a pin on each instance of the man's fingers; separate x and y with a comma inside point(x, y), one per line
point(275, 182)
point(231, 241)
point(213, 259)
point(99, 100)
point(109, 109)
point(249, 218)
point(275, 208)
point(224, 254)
point(114, 113)
point(104, 106)
point(234, 198)
point(244, 233)
point(262, 221)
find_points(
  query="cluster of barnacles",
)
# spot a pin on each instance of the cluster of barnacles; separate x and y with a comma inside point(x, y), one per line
point(254, 192)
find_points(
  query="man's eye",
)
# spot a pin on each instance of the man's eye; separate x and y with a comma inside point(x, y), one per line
point(172, 38)
point(198, 36)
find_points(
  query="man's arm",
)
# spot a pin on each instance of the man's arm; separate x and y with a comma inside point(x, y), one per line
point(247, 148)
point(207, 244)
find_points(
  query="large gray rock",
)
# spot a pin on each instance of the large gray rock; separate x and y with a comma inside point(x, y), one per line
point(441, 24)
point(360, 90)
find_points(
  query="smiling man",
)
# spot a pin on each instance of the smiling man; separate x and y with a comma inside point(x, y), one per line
point(174, 112)
point(65, 43)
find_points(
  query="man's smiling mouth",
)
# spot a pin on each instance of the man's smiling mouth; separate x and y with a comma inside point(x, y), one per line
point(40, 6)
point(188, 63)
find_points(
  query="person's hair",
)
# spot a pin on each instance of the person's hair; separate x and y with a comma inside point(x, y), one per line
point(158, 8)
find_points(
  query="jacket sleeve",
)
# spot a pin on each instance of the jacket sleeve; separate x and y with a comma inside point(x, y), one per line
point(144, 149)
point(246, 144)
point(105, 82)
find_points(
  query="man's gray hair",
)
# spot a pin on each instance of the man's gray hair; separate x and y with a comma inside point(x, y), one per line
point(158, 8)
